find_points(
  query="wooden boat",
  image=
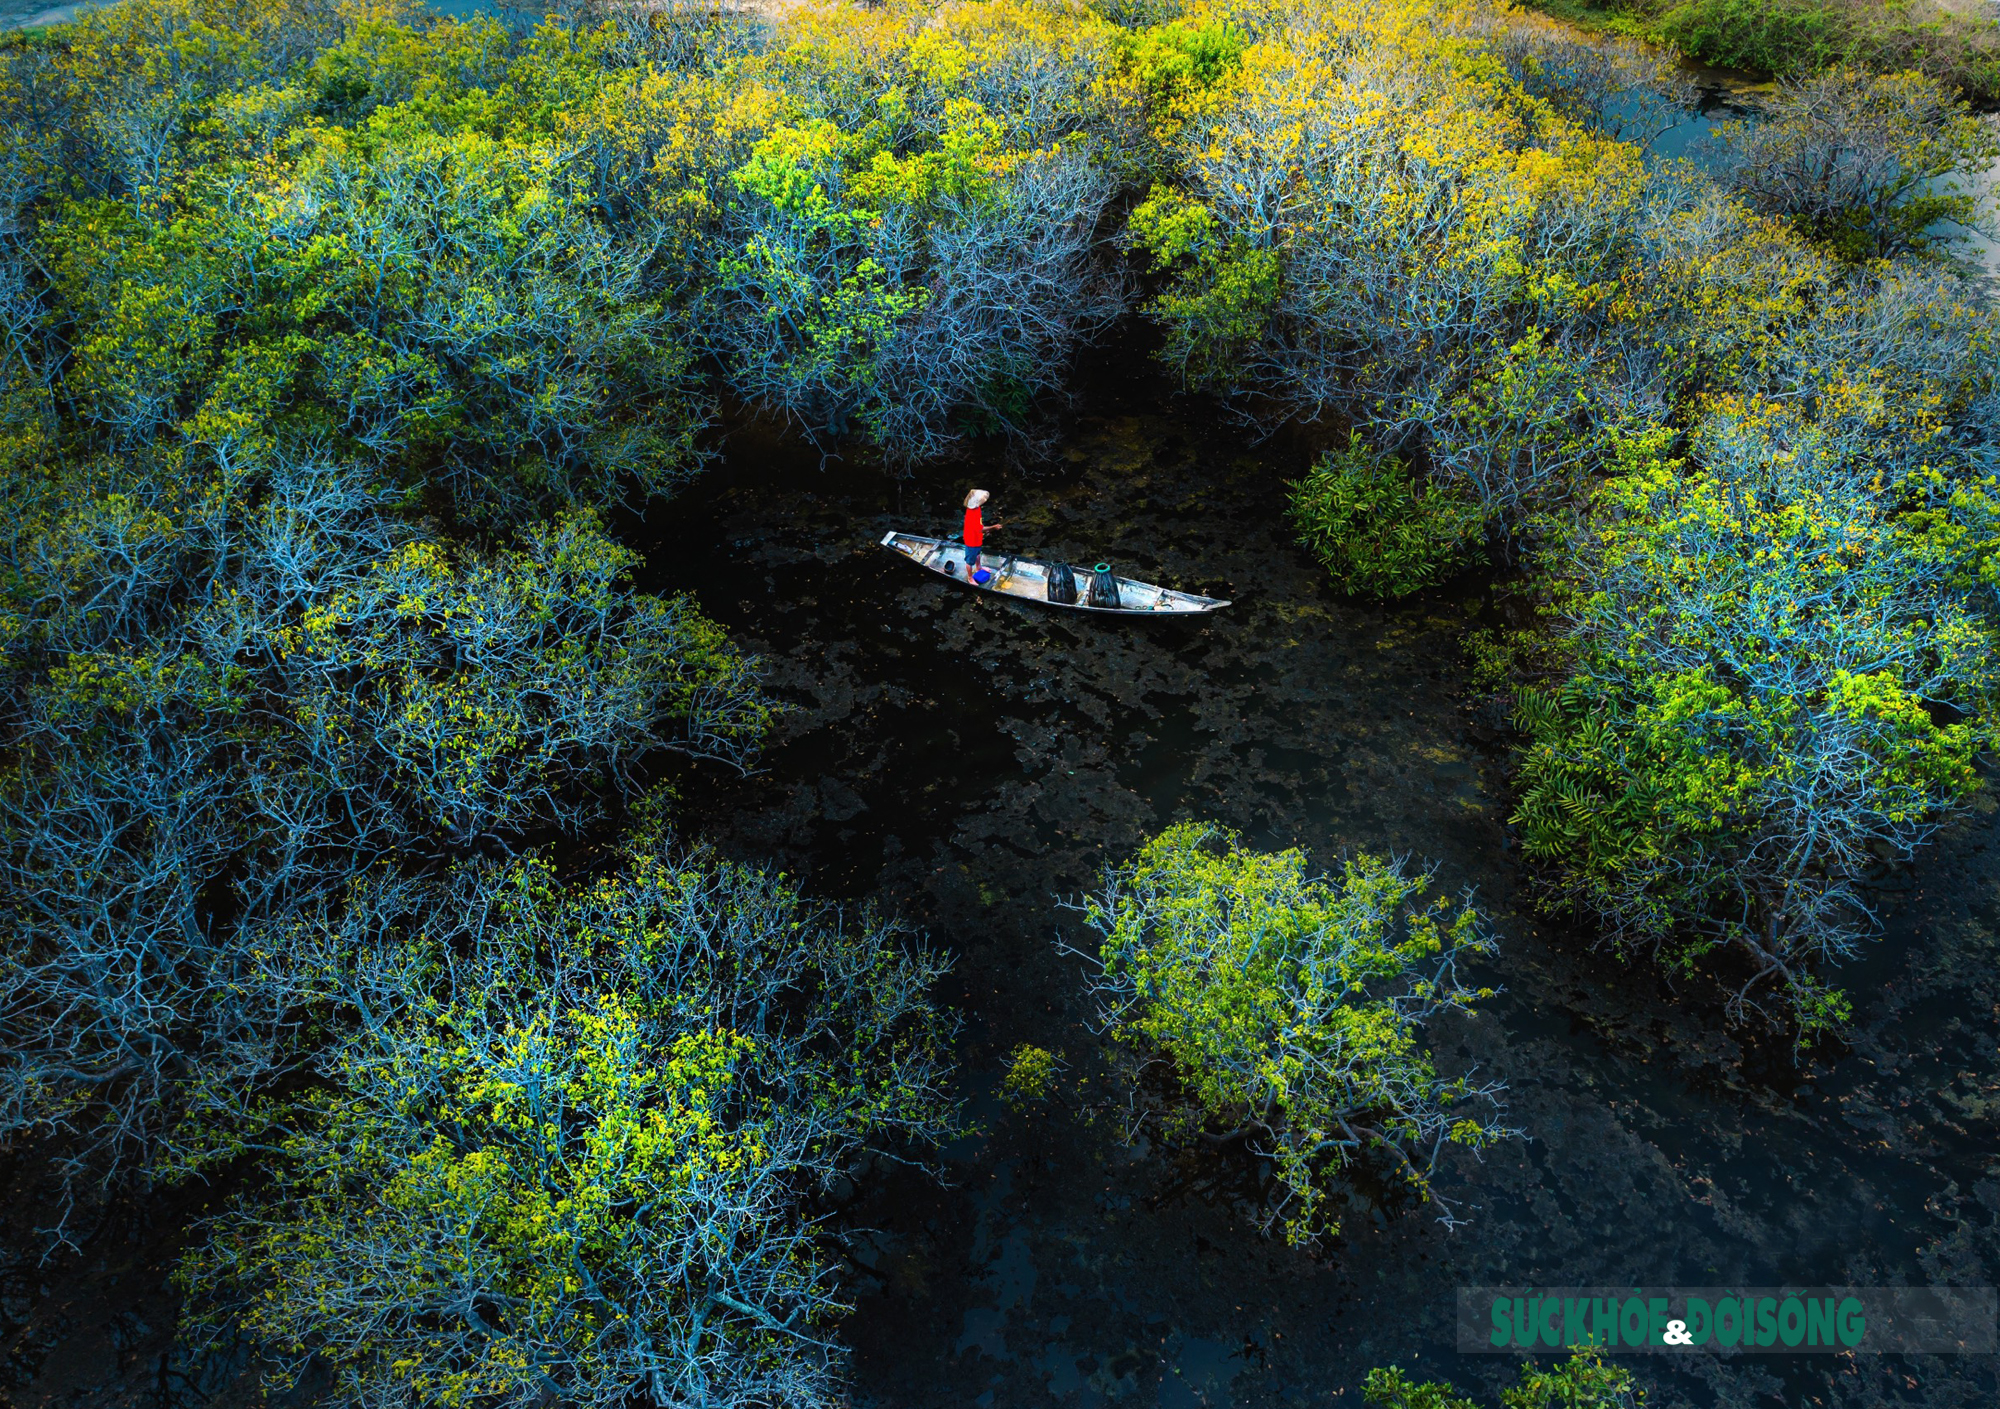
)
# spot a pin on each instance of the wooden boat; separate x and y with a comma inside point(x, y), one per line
point(1028, 580)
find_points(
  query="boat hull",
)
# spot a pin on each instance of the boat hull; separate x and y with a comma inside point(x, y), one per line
point(1027, 580)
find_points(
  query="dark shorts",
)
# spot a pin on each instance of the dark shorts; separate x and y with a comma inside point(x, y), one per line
point(971, 556)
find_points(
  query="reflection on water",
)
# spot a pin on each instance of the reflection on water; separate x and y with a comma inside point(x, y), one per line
point(1729, 97)
point(1983, 243)
point(18, 16)
point(1689, 138)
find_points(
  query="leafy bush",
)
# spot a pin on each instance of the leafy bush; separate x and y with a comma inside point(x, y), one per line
point(441, 307)
point(1375, 530)
point(472, 689)
point(425, 282)
point(1288, 1005)
point(278, 276)
point(1790, 38)
point(1177, 66)
point(1618, 86)
point(1031, 1076)
point(1583, 1381)
point(1481, 270)
point(566, 1142)
point(1768, 36)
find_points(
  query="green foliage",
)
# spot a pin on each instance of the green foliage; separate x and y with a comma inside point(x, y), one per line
point(1218, 311)
point(1389, 1388)
point(1500, 659)
point(912, 251)
point(1770, 661)
point(281, 275)
point(1031, 1076)
point(1584, 802)
point(1289, 1004)
point(231, 698)
point(411, 276)
point(568, 1142)
point(1390, 253)
point(1795, 37)
point(1768, 36)
point(327, 331)
point(446, 308)
point(1375, 530)
point(474, 686)
point(1584, 1381)
point(1177, 64)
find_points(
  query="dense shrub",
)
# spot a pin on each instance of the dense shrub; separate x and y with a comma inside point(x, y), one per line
point(485, 261)
point(1288, 1005)
point(1768, 654)
point(229, 699)
point(327, 330)
point(1768, 36)
point(913, 252)
point(277, 278)
point(433, 293)
point(1616, 86)
point(567, 1141)
point(1375, 529)
point(1781, 641)
point(909, 305)
point(327, 333)
point(1954, 44)
point(1362, 227)
point(1583, 1381)
point(1675, 394)
point(1031, 1077)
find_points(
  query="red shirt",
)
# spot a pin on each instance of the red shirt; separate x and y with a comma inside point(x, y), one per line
point(975, 531)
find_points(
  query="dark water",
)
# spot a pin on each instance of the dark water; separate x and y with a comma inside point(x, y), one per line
point(967, 761)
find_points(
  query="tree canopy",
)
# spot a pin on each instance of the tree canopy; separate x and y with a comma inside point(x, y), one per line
point(1289, 1004)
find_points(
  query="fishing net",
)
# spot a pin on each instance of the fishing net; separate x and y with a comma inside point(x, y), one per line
point(1062, 585)
point(1103, 587)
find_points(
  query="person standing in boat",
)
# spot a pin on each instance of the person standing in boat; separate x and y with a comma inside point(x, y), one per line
point(974, 537)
